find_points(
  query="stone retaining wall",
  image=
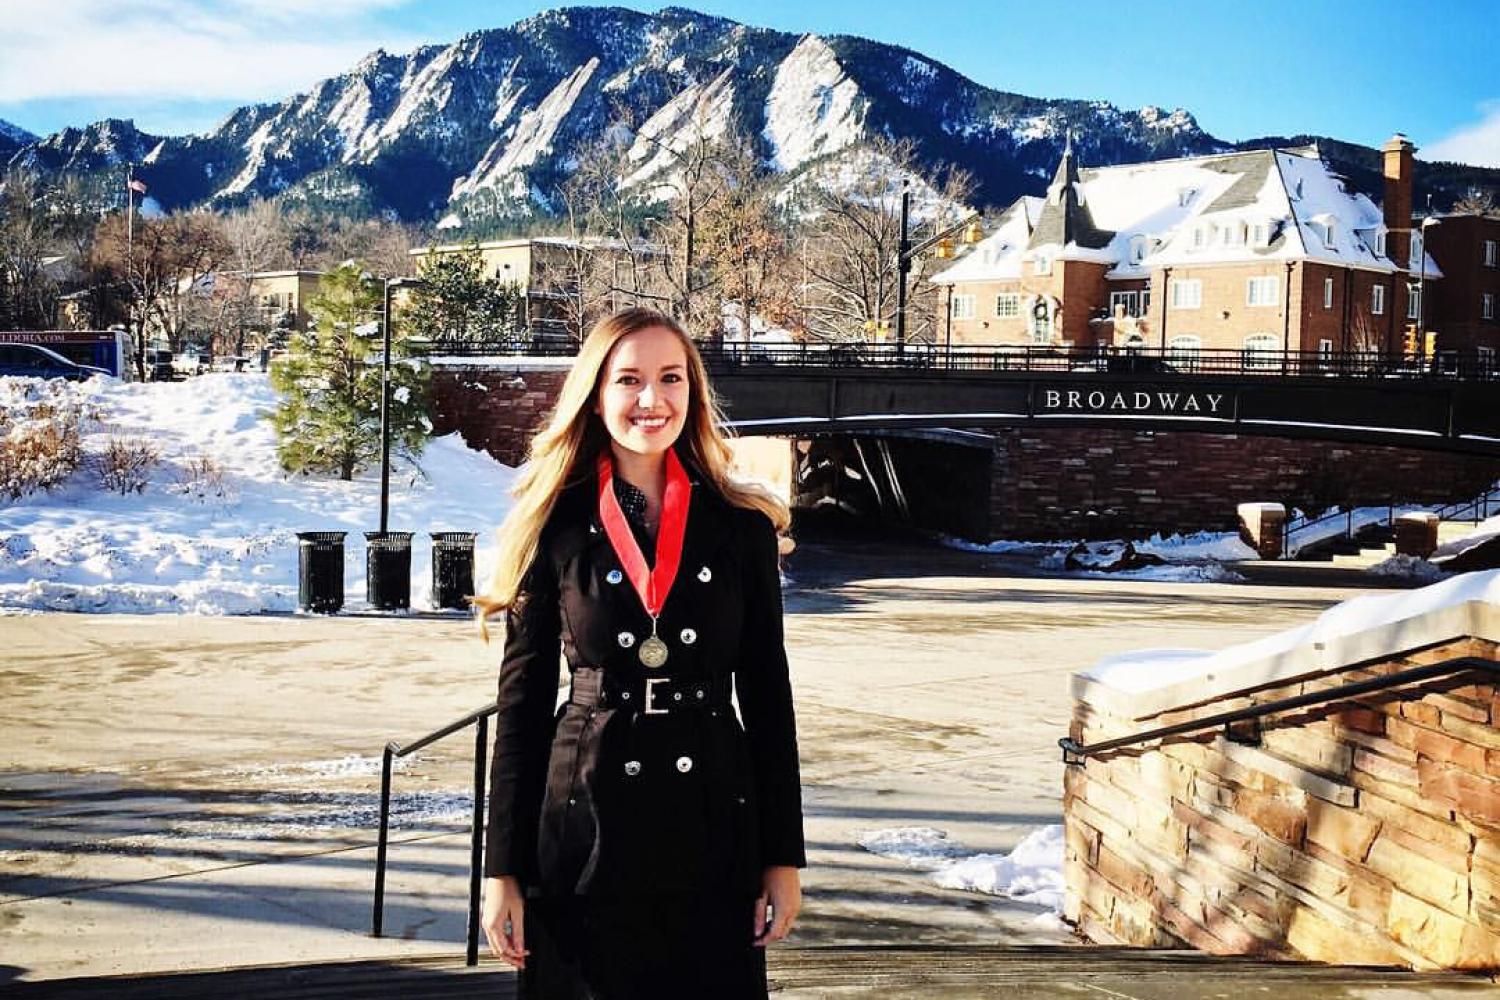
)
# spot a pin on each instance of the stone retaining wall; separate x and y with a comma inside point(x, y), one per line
point(1365, 832)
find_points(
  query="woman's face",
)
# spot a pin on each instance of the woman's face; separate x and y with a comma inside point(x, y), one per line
point(643, 391)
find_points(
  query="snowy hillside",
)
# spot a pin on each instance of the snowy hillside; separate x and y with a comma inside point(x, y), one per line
point(488, 125)
point(218, 542)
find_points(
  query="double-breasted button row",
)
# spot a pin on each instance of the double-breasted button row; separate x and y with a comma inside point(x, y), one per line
point(684, 765)
point(627, 639)
point(614, 576)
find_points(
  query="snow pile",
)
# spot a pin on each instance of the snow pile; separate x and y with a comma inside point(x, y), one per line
point(1407, 568)
point(224, 542)
point(1032, 873)
point(1483, 532)
point(1148, 670)
point(1192, 558)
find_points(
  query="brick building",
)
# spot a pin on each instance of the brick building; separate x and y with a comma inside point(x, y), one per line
point(1259, 251)
point(1465, 307)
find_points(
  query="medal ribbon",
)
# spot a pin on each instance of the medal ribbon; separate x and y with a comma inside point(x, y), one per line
point(652, 584)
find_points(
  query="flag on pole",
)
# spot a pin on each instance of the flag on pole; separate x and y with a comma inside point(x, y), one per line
point(137, 185)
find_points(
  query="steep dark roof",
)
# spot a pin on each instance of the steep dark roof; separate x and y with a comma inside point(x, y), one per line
point(1065, 218)
point(1252, 168)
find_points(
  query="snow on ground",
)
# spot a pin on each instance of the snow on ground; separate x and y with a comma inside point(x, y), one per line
point(1192, 558)
point(1032, 873)
point(1148, 670)
point(1483, 532)
point(187, 545)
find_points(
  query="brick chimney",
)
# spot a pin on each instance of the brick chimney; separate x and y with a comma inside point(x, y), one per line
point(1398, 155)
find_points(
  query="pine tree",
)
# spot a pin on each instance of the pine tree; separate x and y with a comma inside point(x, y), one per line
point(329, 417)
point(457, 304)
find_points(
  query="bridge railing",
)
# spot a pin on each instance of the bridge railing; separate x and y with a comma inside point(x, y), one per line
point(1137, 361)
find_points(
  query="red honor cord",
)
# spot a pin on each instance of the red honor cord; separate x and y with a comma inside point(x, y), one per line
point(651, 583)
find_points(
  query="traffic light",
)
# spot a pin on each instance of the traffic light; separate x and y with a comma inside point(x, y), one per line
point(1409, 342)
point(1429, 344)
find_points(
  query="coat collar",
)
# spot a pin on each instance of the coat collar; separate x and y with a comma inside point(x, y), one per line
point(576, 520)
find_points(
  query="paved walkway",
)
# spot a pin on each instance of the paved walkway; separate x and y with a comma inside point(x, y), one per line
point(189, 793)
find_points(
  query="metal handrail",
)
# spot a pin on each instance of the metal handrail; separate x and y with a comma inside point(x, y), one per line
point(480, 718)
point(1293, 526)
point(1075, 752)
point(1480, 505)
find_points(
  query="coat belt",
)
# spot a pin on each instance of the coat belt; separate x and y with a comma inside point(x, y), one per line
point(594, 688)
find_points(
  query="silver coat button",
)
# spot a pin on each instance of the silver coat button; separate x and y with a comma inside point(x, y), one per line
point(689, 637)
point(632, 767)
point(614, 576)
point(705, 574)
point(684, 764)
point(626, 640)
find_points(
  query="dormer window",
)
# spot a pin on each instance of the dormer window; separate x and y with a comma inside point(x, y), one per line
point(1380, 243)
point(1258, 234)
point(1199, 237)
point(1330, 234)
point(1185, 196)
point(1416, 246)
point(1042, 264)
point(1137, 249)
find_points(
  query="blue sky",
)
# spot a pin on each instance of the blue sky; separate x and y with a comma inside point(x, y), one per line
point(1358, 71)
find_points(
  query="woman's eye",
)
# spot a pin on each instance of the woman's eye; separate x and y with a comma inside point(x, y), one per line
point(671, 377)
point(626, 380)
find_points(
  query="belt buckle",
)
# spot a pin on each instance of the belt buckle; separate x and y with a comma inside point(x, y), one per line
point(651, 708)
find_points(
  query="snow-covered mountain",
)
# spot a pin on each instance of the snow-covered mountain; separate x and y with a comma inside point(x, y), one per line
point(488, 126)
point(12, 138)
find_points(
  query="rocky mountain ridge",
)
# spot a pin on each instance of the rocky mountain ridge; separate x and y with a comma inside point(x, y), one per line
point(485, 128)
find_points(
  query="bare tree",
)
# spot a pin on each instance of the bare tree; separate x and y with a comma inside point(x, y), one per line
point(165, 271)
point(255, 240)
point(1477, 201)
point(851, 233)
point(747, 246)
point(27, 292)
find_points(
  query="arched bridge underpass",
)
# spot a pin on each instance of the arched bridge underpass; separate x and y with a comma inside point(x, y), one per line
point(1440, 414)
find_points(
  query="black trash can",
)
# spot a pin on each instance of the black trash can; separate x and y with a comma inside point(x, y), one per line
point(388, 570)
point(320, 571)
point(452, 568)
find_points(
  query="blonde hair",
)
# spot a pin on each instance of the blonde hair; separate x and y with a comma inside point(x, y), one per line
point(563, 453)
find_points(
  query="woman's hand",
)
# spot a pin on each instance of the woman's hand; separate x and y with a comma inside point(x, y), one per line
point(503, 919)
point(781, 890)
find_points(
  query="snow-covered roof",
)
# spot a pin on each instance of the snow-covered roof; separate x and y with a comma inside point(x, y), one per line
point(999, 254)
point(1260, 205)
point(1145, 683)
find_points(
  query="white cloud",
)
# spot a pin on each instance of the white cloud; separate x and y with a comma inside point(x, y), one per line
point(241, 50)
point(1477, 144)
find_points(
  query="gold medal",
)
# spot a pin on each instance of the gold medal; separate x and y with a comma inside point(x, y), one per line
point(653, 653)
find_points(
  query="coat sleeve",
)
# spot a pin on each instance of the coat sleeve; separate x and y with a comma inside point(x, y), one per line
point(523, 724)
point(763, 687)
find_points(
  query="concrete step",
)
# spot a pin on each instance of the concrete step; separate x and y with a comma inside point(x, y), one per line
point(919, 972)
point(1450, 530)
point(1364, 558)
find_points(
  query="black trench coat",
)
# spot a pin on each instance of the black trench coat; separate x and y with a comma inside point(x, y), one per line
point(608, 796)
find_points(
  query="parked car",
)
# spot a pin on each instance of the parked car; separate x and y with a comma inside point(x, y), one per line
point(1124, 364)
point(159, 367)
point(192, 362)
point(38, 362)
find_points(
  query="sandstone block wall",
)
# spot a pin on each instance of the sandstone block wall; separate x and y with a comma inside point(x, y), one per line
point(497, 408)
point(1363, 832)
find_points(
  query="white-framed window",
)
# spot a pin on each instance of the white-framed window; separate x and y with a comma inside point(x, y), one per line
point(1185, 197)
point(1487, 305)
point(1414, 247)
point(1262, 350)
point(963, 307)
point(1187, 293)
point(1380, 243)
point(1491, 253)
point(1184, 350)
point(1325, 352)
point(1486, 358)
point(1199, 237)
point(1007, 305)
point(1330, 234)
point(1258, 234)
point(1137, 249)
point(1039, 322)
point(1135, 302)
point(1327, 293)
point(1377, 300)
point(1414, 302)
point(1262, 291)
point(1042, 264)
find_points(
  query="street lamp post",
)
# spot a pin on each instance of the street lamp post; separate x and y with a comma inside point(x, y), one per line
point(391, 284)
point(906, 252)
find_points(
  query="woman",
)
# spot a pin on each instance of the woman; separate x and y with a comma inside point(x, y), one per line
point(642, 841)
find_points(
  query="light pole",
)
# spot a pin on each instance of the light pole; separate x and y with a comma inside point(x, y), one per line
point(391, 284)
point(906, 253)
